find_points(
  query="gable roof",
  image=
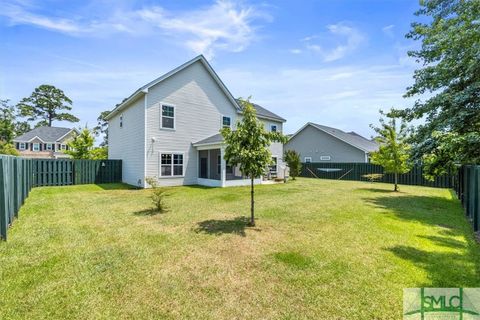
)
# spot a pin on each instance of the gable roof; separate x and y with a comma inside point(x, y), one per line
point(352, 138)
point(143, 90)
point(45, 134)
point(215, 139)
point(264, 113)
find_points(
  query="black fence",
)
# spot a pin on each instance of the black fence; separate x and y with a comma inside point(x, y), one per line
point(468, 191)
point(19, 175)
point(357, 172)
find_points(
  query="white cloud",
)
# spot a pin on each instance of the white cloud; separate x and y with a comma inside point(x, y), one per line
point(224, 25)
point(340, 41)
point(388, 30)
point(295, 51)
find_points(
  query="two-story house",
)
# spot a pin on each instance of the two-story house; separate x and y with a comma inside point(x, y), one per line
point(45, 142)
point(169, 129)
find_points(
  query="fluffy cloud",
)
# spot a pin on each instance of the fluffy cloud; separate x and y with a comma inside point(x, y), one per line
point(340, 40)
point(224, 25)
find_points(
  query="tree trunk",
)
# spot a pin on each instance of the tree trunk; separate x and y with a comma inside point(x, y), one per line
point(49, 120)
point(252, 203)
point(396, 182)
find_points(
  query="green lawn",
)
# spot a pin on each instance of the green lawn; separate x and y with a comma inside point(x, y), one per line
point(322, 249)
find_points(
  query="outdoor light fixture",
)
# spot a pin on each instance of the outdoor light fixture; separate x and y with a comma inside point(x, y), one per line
point(103, 164)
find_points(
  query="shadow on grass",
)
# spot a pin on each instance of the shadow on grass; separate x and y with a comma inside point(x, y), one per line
point(218, 227)
point(379, 190)
point(444, 269)
point(445, 242)
point(147, 212)
point(115, 186)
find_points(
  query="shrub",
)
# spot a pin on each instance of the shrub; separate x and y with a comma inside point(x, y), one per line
point(158, 195)
point(292, 158)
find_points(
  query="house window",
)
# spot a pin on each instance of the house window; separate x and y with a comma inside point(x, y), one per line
point(226, 122)
point(219, 164)
point(168, 117)
point(21, 145)
point(36, 147)
point(121, 121)
point(325, 158)
point(273, 167)
point(49, 146)
point(308, 159)
point(171, 164)
point(63, 147)
point(273, 128)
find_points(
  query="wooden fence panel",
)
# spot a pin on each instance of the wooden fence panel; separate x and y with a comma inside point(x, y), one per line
point(19, 175)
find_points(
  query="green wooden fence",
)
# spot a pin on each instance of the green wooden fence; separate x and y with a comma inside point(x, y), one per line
point(468, 191)
point(356, 172)
point(19, 175)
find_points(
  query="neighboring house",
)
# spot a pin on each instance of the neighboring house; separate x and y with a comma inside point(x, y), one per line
point(169, 129)
point(317, 143)
point(45, 142)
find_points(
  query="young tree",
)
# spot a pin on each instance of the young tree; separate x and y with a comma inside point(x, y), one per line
point(292, 158)
point(450, 75)
point(81, 146)
point(99, 153)
point(393, 153)
point(102, 127)
point(248, 147)
point(7, 122)
point(46, 103)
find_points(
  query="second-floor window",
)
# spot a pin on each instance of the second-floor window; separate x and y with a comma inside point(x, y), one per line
point(36, 147)
point(226, 122)
point(49, 146)
point(121, 121)
point(168, 117)
point(21, 146)
point(273, 128)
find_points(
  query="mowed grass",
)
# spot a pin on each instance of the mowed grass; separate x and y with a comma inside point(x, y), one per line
point(322, 249)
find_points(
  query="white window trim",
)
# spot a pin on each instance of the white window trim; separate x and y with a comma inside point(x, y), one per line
point(276, 162)
point(20, 147)
point(174, 116)
point(325, 158)
point(224, 126)
point(49, 147)
point(63, 146)
point(160, 164)
point(37, 147)
point(309, 158)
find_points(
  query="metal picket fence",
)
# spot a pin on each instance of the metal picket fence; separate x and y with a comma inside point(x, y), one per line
point(19, 175)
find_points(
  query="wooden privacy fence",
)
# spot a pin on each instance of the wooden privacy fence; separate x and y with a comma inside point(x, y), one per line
point(468, 191)
point(19, 175)
point(357, 171)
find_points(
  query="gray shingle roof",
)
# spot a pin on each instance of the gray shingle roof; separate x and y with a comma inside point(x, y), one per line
point(46, 134)
point(216, 138)
point(261, 111)
point(351, 138)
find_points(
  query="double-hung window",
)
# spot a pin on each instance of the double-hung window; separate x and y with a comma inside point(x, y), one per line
point(226, 122)
point(273, 128)
point(21, 145)
point(168, 117)
point(49, 146)
point(308, 159)
point(36, 147)
point(171, 164)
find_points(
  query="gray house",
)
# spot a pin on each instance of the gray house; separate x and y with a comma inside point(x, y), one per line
point(317, 143)
point(169, 129)
point(45, 142)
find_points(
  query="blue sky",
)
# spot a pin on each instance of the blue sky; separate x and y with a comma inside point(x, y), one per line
point(331, 62)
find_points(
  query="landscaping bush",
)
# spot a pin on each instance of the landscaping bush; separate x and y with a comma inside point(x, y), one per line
point(158, 195)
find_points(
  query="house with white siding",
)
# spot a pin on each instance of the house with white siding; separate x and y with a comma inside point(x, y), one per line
point(169, 129)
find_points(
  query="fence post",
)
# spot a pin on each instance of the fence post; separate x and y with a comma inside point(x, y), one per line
point(3, 202)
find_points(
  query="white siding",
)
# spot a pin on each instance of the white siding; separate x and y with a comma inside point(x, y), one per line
point(128, 143)
point(199, 107)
